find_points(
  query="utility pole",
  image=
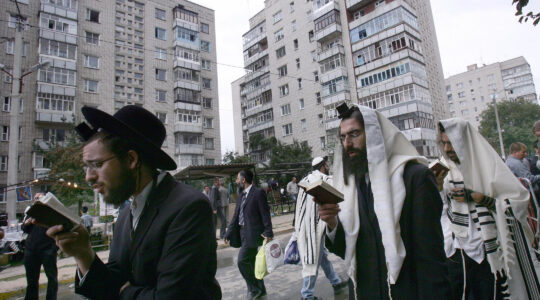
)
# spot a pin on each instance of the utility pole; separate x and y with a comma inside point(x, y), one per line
point(13, 154)
point(494, 96)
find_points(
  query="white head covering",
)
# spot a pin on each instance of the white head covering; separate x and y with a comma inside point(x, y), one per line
point(388, 150)
point(484, 171)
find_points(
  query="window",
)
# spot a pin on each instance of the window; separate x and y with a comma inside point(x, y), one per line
point(205, 28)
point(91, 61)
point(210, 161)
point(160, 53)
point(207, 102)
point(57, 75)
point(162, 117)
point(284, 90)
point(92, 15)
point(208, 122)
point(282, 71)
point(287, 129)
point(6, 105)
point(54, 135)
point(459, 85)
point(311, 36)
point(291, 6)
point(209, 143)
point(55, 48)
point(280, 52)
point(278, 35)
point(449, 96)
point(205, 64)
point(3, 163)
point(92, 38)
point(303, 124)
point(90, 86)
point(205, 46)
point(161, 74)
point(161, 96)
point(323, 142)
point(160, 14)
point(295, 43)
point(7, 77)
point(206, 83)
point(316, 76)
point(5, 133)
point(299, 83)
point(13, 20)
point(318, 97)
point(277, 17)
point(285, 109)
point(298, 63)
point(293, 25)
point(461, 94)
point(160, 34)
point(465, 112)
point(301, 103)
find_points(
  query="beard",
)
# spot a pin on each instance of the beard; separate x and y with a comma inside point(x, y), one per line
point(357, 164)
point(453, 156)
point(121, 192)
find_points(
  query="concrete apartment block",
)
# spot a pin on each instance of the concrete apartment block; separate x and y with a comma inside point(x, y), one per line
point(158, 54)
point(469, 93)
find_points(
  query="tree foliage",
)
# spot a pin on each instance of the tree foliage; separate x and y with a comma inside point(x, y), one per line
point(520, 4)
point(64, 159)
point(516, 118)
point(232, 157)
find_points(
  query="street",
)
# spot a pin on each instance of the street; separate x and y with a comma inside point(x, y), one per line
point(283, 283)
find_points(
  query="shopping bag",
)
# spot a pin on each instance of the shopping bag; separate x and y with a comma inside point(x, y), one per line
point(292, 256)
point(274, 255)
point(260, 263)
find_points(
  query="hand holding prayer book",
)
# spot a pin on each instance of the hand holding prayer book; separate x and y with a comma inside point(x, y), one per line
point(438, 166)
point(322, 191)
point(49, 211)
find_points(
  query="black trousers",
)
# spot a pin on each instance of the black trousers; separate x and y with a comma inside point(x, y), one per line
point(222, 219)
point(32, 265)
point(480, 282)
point(246, 265)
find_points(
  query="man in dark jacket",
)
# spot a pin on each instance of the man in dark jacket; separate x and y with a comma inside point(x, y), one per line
point(252, 219)
point(39, 250)
point(164, 245)
point(388, 229)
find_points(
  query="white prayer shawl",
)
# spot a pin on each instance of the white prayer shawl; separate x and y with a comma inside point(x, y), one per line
point(309, 230)
point(484, 171)
point(388, 151)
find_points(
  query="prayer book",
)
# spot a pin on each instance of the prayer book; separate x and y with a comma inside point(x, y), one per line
point(322, 191)
point(438, 166)
point(49, 211)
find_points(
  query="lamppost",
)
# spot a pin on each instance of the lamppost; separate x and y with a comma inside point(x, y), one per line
point(13, 152)
point(494, 98)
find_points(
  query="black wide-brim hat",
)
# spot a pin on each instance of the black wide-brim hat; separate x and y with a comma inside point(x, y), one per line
point(139, 126)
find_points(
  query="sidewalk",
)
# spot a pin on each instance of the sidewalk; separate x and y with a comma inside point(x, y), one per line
point(13, 280)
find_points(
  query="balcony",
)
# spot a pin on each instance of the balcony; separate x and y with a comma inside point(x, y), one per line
point(40, 173)
point(57, 36)
point(187, 84)
point(260, 126)
point(187, 106)
point(332, 123)
point(59, 11)
point(257, 109)
point(255, 57)
point(328, 7)
point(186, 24)
point(48, 144)
point(189, 64)
point(55, 116)
point(323, 54)
point(327, 33)
point(353, 5)
point(188, 127)
point(254, 40)
point(252, 75)
point(188, 149)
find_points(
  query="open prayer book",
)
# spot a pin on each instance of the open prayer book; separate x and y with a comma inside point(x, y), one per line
point(322, 191)
point(49, 211)
point(438, 166)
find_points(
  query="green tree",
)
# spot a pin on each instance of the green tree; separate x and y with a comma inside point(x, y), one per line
point(517, 119)
point(66, 178)
point(520, 4)
point(232, 157)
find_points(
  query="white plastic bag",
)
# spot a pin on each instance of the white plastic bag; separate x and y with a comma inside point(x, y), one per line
point(274, 255)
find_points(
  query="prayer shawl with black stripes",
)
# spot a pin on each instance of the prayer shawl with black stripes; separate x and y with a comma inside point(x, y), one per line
point(504, 229)
point(309, 230)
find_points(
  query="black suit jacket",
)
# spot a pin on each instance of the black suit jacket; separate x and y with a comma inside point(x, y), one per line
point(257, 219)
point(172, 254)
point(423, 274)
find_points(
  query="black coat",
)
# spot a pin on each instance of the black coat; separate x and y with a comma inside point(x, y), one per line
point(423, 274)
point(257, 219)
point(172, 254)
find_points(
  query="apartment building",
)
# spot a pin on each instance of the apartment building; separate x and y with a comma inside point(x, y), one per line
point(158, 54)
point(469, 93)
point(304, 58)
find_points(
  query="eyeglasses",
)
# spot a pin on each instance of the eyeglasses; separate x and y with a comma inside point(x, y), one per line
point(94, 165)
point(351, 135)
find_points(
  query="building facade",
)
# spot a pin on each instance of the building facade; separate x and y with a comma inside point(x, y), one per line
point(469, 93)
point(157, 54)
point(308, 57)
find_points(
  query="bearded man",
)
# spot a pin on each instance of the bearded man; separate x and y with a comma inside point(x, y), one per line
point(163, 246)
point(388, 227)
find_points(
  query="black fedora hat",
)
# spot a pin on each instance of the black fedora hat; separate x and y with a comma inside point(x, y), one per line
point(139, 126)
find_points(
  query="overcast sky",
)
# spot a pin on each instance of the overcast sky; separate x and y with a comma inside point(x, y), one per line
point(468, 32)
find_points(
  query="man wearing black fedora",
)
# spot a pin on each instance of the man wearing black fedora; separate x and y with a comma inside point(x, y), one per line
point(164, 245)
